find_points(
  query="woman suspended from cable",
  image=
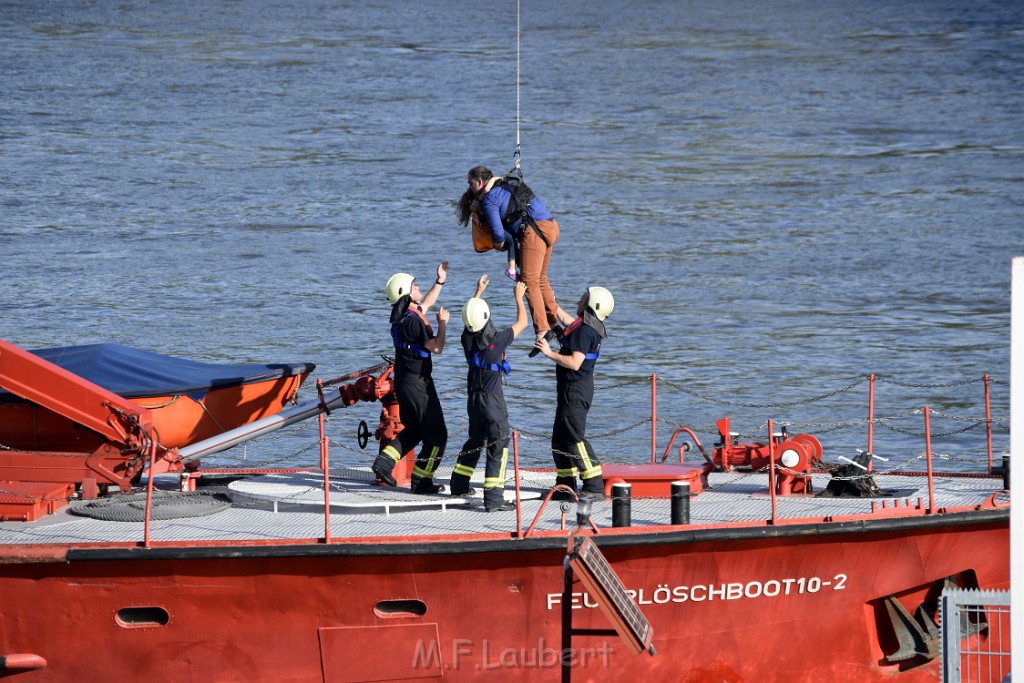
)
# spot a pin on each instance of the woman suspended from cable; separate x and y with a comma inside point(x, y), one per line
point(511, 216)
point(469, 209)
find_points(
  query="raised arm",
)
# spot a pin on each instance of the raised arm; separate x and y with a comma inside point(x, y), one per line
point(520, 324)
point(481, 285)
point(436, 345)
point(435, 289)
point(564, 317)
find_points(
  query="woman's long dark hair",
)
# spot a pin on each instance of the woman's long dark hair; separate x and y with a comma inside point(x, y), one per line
point(464, 209)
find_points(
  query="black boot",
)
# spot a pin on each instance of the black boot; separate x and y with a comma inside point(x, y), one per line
point(426, 486)
point(459, 485)
point(550, 335)
point(494, 500)
point(562, 494)
point(382, 468)
point(593, 488)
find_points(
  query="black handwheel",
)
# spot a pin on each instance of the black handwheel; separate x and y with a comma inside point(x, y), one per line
point(363, 434)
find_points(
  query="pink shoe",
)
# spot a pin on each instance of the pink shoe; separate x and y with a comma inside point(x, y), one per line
point(511, 275)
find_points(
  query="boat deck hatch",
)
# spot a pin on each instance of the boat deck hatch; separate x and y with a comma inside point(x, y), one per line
point(28, 501)
point(653, 479)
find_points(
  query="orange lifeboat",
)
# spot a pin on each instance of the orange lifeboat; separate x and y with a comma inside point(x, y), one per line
point(189, 400)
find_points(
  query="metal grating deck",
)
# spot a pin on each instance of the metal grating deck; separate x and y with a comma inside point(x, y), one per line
point(362, 509)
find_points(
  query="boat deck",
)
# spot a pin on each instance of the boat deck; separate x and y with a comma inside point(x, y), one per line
point(290, 506)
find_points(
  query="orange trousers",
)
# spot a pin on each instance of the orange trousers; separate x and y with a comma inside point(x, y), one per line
point(534, 257)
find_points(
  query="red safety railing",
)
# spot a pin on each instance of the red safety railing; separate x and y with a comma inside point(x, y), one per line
point(324, 443)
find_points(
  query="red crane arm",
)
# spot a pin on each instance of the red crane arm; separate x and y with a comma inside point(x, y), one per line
point(40, 381)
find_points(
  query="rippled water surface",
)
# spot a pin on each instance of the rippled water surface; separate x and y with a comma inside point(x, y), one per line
point(784, 197)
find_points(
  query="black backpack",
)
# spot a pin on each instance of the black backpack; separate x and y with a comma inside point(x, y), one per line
point(519, 202)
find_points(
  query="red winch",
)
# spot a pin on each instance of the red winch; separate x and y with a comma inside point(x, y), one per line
point(370, 387)
point(794, 456)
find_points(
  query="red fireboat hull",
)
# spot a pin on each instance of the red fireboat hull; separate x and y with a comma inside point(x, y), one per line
point(784, 604)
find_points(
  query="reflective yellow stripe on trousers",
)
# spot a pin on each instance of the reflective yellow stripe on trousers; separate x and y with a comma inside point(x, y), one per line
point(589, 470)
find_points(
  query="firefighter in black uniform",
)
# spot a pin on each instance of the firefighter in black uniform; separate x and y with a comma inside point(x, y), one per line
point(418, 405)
point(488, 415)
point(575, 361)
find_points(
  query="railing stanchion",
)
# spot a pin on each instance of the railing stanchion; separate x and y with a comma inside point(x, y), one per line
point(515, 467)
point(988, 421)
point(654, 417)
point(149, 492)
point(928, 452)
point(325, 463)
point(871, 417)
point(771, 470)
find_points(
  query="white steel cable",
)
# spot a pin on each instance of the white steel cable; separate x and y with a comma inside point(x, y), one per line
point(517, 152)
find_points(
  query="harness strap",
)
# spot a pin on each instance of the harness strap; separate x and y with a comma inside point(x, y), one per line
point(476, 360)
point(401, 344)
point(520, 200)
point(533, 224)
point(572, 328)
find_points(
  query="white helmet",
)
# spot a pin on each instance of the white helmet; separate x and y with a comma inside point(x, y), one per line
point(601, 302)
point(398, 286)
point(475, 314)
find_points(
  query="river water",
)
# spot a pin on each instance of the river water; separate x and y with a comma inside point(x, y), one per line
point(783, 197)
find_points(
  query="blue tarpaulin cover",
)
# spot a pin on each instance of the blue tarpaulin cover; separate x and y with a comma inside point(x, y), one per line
point(133, 373)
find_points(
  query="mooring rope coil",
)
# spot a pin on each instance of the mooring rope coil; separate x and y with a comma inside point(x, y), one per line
point(165, 505)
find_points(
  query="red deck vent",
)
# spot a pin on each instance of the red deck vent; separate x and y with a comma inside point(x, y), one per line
point(653, 479)
point(28, 501)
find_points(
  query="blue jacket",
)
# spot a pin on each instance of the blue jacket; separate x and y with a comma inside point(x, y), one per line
point(494, 205)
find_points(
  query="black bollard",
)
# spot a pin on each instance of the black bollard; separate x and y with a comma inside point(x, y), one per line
point(680, 502)
point(1006, 472)
point(622, 501)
